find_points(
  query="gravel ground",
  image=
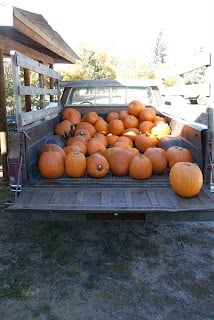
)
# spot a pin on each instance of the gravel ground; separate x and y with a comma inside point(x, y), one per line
point(105, 270)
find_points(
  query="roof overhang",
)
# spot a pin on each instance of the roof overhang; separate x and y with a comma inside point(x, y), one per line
point(30, 34)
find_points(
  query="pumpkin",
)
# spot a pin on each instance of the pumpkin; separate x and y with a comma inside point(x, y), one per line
point(144, 141)
point(71, 114)
point(90, 117)
point(101, 137)
point(76, 146)
point(148, 114)
point(64, 128)
point(51, 164)
point(124, 139)
point(86, 126)
point(123, 114)
point(101, 126)
point(140, 167)
point(116, 126)
point(83, 133)
point(178, 154)
point(94, 146)
point(119, 160)
point(158, 158)
point(52, 147)
point(130, 122)
point(75, 164)
point(97, 165)
point(111, 138)
point(77, 138)
point(135, 107)
point(112, 115)
point(186, 179)
point(145, 126)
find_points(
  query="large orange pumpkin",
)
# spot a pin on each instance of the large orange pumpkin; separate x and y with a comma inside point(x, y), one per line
point(186, 179)
point(90, 117)
point(97, 165)
point(71, 114)
point(51, 164)
point(135, 107)
point(119, 160)
point(178, 154)
point(130, 122)
point(94, 146)
point(75, 164)
point(140, 167)
point(83, 125)
point(52, 147)
point(116, 127)
point(147, 114)
point(158, 158)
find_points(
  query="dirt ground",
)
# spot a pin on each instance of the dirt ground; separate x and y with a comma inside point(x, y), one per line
point(105, 270)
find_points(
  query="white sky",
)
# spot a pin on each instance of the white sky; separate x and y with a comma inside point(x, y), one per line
point(129, 29)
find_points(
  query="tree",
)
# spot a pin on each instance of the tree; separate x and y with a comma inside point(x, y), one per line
point(96, 66)
point(159, 51)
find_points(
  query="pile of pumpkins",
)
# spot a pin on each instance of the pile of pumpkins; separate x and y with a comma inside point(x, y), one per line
point(125, 143)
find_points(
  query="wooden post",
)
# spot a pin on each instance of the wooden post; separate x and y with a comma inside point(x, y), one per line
point(3, 121)
point(51, 84)
point(27, 83)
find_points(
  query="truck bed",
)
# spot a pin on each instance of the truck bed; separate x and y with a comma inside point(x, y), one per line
point(111, 198)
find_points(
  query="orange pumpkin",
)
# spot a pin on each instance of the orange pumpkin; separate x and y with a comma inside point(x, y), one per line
point(119, 160)
point(130, 122)
point(148, 114)
point(135, 107)
point(158, 158)
point(51, 164)
point(140, 167)
point(90, 117)
point(75, 164)
point(94, 146)
point(116, 127)
point(52, 147)
point(111, 138)
point(144, 141)
point(186, 179)
point(131, 133)
point(178, 154)
point(112, 115)
point(101, 126)
point(71, 114)
point(63, 128)
point(97, 165)
point(145, 126)
point(86, 126)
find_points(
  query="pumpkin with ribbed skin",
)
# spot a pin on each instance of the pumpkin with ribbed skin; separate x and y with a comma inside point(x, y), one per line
point(63, 128)
point(140, 167)
point(90, 117)
point(112, 115)
point(130, 121)
point(186, 179)
point(135, 107)
point(52, 147)
point(51, 164)
point(71, 114)
point(101, 126)
point(97, 165)
point(83, 125)
point(158, 158)
point(119, 160)
point(116, 127)
point(75, 164)
point(144, 141)
point(178, 154)
point(147, 114)
point(94, 146)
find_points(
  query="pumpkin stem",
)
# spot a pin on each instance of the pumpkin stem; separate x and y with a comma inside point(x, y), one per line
point(99, 167)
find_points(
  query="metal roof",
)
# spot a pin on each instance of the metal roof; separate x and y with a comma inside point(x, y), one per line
point(31, 34)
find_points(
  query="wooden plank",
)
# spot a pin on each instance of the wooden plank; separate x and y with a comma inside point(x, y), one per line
point(32, 116)
point(23, 90)
point(28, 63)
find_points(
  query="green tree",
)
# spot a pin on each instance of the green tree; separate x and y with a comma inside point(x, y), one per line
point(95, 66)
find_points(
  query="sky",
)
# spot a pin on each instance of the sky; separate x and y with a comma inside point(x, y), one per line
point(129, 29)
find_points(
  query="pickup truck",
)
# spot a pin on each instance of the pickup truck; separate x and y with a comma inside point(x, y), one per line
point(110, 197)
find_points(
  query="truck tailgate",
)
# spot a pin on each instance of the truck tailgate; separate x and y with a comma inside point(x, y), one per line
point(107, 201)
